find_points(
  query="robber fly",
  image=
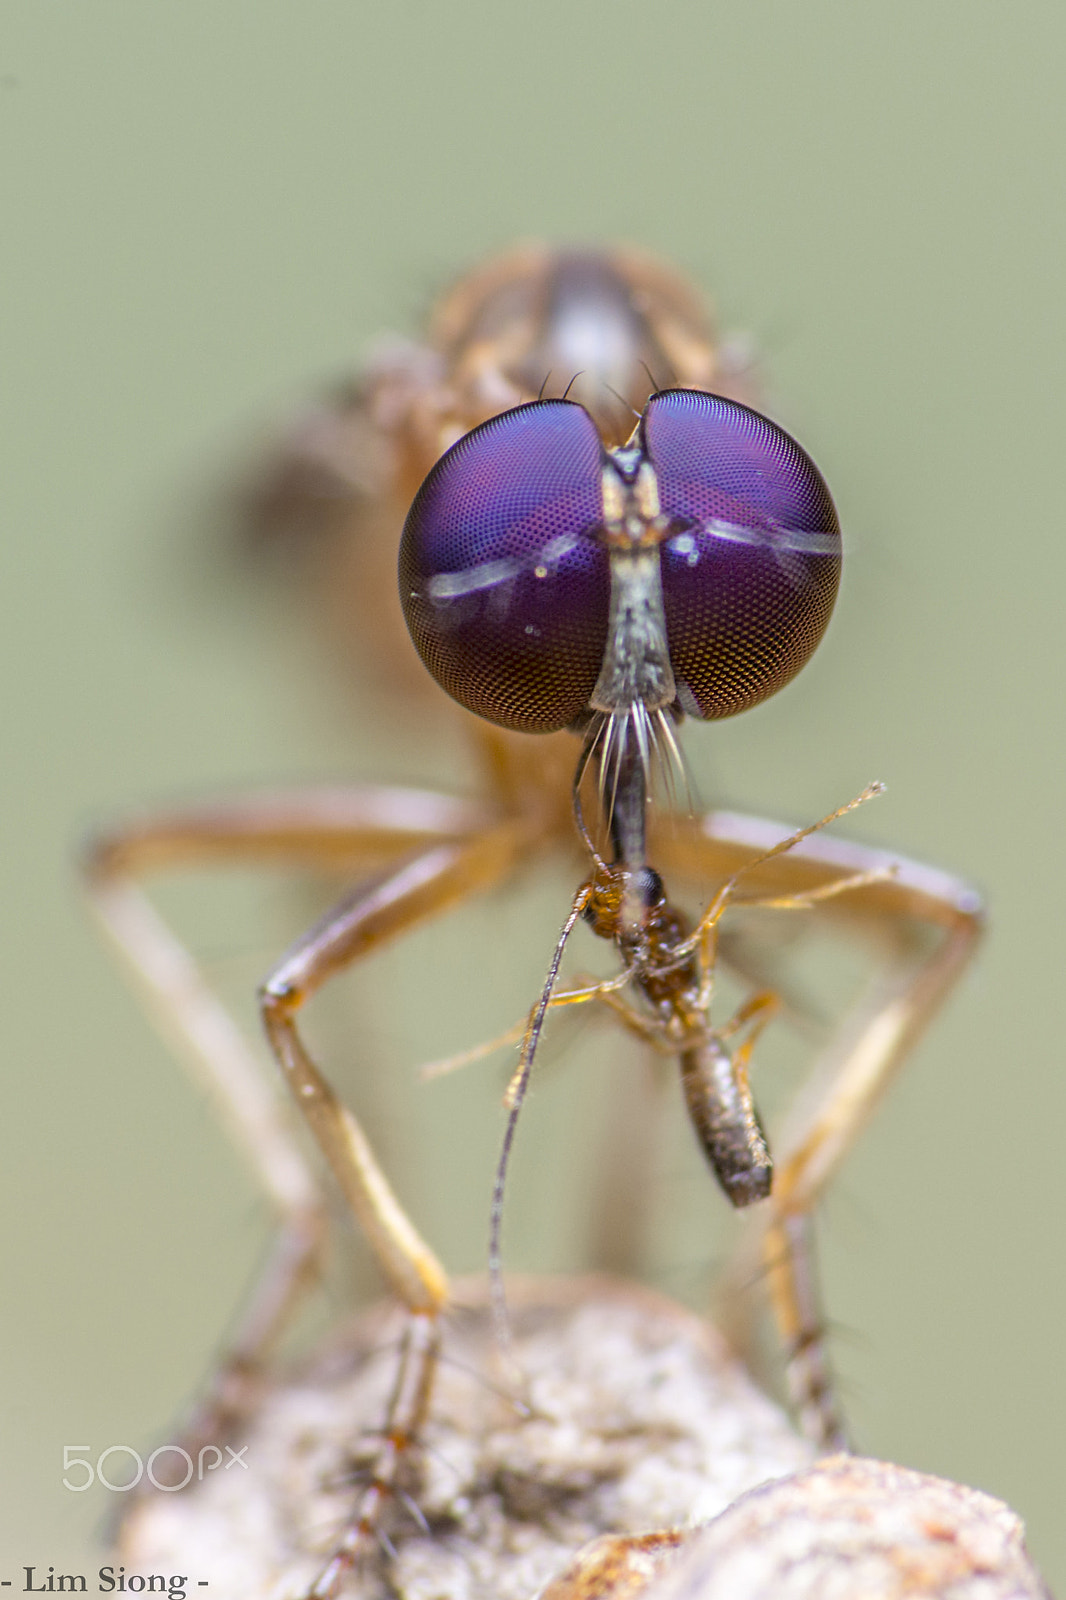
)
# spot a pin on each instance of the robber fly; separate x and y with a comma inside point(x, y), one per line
point(581, 567)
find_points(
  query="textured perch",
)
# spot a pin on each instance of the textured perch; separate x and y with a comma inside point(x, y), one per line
point(642, 1422)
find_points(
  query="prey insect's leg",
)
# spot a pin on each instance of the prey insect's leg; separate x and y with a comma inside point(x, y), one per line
point(327, 829)
point(929, 923)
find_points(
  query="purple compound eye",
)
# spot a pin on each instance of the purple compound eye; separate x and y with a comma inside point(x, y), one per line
point(506, 561)
point(751, 565)
point(504, 580)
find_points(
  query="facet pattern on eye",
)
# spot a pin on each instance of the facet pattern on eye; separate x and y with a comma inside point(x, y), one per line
point(504, 582)
point(751, 568)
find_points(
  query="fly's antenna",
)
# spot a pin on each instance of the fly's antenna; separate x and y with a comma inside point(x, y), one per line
point(516, 1093)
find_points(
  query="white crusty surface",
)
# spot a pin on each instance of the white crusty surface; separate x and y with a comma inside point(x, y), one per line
point(641, 1420)
point(850, 1529)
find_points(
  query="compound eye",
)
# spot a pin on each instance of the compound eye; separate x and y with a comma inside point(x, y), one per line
point(752, 563)
point(503, 579)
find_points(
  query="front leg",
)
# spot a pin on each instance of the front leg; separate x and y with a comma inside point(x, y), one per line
point(426, 884)
point(327, 829)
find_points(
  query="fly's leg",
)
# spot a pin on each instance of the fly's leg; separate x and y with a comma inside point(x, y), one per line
point(418, 888)
point(928, 924)
point(327, 830)
point(855, 1074)
point(405, 1417)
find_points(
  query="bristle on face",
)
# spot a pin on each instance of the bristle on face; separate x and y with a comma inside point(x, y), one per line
point(634, 734)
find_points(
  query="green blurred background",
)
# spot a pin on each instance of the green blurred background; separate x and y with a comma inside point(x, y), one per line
point(211, 209)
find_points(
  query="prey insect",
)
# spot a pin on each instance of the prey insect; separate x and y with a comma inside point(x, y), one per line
point(562, 573)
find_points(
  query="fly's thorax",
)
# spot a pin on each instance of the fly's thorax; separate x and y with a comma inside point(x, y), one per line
point(596, 320)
